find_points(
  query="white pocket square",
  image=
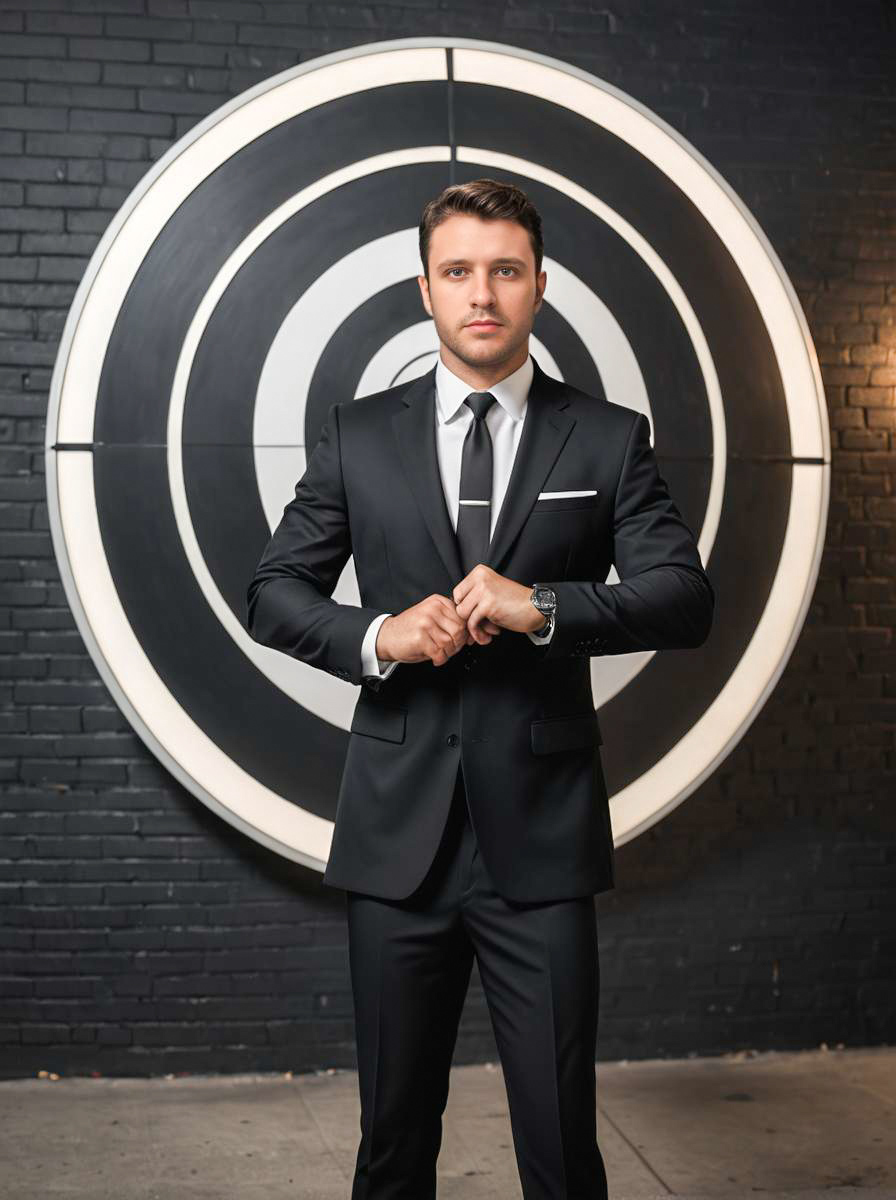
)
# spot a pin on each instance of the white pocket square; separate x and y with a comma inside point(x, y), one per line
point(557, 495)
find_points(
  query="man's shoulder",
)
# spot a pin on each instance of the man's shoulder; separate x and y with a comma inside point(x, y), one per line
point(591, 407)
point(371, 410)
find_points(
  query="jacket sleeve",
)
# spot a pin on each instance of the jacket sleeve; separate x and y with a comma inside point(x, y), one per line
point(289, 600)
point(664, 599)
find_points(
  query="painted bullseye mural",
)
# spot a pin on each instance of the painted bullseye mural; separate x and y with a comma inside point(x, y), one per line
point(265, 268)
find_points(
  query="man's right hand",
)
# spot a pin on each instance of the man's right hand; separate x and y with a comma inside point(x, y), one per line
point(428, 630)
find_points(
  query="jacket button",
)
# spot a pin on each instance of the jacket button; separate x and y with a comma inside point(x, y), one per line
point(452, 739)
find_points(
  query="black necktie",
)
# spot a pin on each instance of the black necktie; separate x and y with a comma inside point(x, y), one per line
point(475, 509)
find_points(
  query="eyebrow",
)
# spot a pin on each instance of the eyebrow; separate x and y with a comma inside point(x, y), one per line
point(465, 262)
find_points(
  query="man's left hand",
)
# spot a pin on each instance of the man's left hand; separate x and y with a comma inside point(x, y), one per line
point(488, 602)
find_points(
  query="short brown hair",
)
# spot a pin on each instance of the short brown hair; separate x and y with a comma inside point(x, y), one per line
point(486, 198)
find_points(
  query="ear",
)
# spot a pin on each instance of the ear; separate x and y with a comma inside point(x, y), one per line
point(424, 293)
point(541, 280)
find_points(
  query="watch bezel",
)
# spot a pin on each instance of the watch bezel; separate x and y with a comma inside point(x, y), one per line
point(544, 598)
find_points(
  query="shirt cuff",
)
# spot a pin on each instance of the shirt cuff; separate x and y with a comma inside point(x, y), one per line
point(542, 641)
point(370, 664)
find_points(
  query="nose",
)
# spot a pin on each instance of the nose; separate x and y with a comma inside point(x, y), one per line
point(483, 295)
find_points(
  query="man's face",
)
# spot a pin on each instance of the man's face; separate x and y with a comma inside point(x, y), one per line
point(482, 271)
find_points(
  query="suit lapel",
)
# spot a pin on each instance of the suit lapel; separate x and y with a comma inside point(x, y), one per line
point(415, 432)
point(545, 431)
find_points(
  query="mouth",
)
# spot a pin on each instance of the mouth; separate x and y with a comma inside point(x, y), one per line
point(484, 325)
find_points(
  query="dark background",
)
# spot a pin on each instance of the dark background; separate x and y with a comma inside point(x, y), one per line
point(139, 933)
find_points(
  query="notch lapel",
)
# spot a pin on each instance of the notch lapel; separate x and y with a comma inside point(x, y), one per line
point(415, 432)
point(545, 431)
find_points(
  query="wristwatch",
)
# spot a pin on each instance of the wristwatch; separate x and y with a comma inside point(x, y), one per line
point(545, 600)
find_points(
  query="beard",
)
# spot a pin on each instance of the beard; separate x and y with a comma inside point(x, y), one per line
point(484, 352)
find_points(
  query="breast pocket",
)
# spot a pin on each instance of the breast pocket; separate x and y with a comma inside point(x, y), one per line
point(562, 500)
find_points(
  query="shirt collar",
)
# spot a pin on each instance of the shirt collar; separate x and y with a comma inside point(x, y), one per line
point(511, 392)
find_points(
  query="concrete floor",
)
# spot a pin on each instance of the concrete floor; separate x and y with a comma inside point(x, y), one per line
point(797, 1125)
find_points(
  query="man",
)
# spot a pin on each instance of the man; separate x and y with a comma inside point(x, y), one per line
point(484, 504)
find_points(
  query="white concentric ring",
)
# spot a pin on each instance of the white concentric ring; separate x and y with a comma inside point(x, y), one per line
point(313, 320)
point(317, 315)
point(165, 727)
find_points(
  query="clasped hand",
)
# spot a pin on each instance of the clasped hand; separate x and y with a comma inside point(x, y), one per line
point(480, 606)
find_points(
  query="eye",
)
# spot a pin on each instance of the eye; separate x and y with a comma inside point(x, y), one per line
point(451, 270)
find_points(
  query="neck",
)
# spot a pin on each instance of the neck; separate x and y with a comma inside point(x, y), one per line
point(484, 377)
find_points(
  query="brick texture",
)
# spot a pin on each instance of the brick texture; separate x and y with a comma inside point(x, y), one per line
point(141, 934)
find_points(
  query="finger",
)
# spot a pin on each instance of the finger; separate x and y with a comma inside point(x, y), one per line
point(446, 605)
point(448, 611)
point(461, 589)
point(447, 621)
point(474, 620)
point(435, 651)
point(444, 638)
point(465, 606)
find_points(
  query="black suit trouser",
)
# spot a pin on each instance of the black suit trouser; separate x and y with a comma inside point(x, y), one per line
point(411, 961)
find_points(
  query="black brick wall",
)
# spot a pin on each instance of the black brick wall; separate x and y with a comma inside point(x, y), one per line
point(142, 934)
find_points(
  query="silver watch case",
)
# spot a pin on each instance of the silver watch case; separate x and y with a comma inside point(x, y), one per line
point(544, 599)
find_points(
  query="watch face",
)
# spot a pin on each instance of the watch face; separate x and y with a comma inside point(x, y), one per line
point(544, 597)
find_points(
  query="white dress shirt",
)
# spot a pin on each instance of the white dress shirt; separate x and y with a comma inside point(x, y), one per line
point(452, 416)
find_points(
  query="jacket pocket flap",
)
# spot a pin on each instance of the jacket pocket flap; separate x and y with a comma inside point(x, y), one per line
point(565, 733)
point(379, 720)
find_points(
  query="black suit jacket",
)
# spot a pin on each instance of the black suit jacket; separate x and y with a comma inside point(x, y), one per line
point(520, 716)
